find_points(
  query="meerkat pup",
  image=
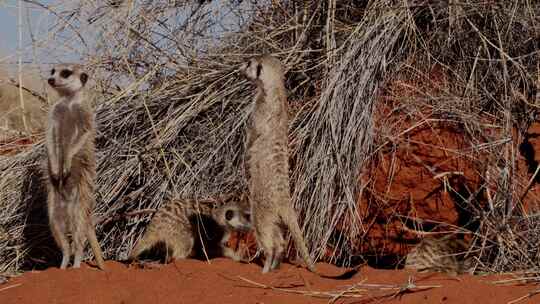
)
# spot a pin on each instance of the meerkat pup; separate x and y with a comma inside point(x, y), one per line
point(268, 161)
point(447, 254)
point(177, 223)
point(71, 166)
point(232, 217)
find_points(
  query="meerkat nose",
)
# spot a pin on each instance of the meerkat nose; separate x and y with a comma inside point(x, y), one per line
point(51, 81)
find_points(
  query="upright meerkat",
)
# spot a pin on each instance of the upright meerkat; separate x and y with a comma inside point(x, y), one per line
point(176, 224)
point(71, 166)
point(446, 254)
point(268, 160)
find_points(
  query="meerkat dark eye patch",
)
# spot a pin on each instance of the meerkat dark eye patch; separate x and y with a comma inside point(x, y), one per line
point(229, 214)
point(65, 73)
point(84, 78)
point(52, 71)
point(259, 70)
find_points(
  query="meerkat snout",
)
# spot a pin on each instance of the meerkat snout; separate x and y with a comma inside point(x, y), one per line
point(234, 217)
point(251, 69)
point(239, 220)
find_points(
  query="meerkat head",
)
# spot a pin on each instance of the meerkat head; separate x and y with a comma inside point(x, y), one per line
point(67, 79)
point(263, 70)
point(233, 217)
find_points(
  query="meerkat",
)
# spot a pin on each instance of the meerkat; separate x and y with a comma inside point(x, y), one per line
point(447, 254)
point(71, 166)
point(268, 162)
point(232, 217)
point(176, 225)
point(268, 166)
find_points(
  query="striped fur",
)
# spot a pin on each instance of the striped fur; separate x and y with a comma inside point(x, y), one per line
point(178, 224)
point(447, 254)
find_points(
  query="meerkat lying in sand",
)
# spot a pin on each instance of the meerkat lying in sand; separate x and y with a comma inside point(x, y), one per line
point(177, 224)
point(446, 254)
point(268, 162)
point(71, 166)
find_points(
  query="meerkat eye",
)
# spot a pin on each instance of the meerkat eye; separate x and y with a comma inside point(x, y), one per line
point(248, 64)
point(259, 70)
point(65, 73)
point(52, 71)
point(229, 215)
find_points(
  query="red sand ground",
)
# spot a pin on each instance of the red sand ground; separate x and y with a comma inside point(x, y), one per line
point(194, 281)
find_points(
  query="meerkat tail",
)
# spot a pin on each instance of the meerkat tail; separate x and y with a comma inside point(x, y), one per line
point(96, 249)
point(299, 242)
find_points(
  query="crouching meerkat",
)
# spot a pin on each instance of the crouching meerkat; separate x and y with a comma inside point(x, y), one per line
point(177, 223)
point(268, 163)
point(71, 166)
point(447, 254)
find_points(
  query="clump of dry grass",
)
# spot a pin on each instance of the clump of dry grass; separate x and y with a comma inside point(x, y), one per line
point(492, 97)
point(21, 117)
point(173, 111)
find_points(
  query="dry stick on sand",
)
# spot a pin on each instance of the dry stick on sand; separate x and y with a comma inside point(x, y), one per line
point(9, 287)
point(358, 290)
point(520, 281)
point(527, 296)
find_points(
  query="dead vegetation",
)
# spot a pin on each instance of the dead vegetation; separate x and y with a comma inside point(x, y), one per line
point(24, 116)
point(173, 110)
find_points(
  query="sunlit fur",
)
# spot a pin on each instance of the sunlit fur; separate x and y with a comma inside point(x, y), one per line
point(268, 161)
point(172, 226)
point(71, 166)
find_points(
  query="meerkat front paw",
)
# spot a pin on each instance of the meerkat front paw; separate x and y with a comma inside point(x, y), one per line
point(234, 255)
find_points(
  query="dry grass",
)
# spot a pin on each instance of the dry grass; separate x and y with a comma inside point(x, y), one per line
point(12, 123)
point(173, 111)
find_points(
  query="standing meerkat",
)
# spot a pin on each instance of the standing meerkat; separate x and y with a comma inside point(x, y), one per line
point(71, 166)
point(268, 160)
point(176, 224)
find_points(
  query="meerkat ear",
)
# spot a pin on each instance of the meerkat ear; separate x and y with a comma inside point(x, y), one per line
point(84, 78)
point(259, 70)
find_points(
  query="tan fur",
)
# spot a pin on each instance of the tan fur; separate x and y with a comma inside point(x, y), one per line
point(268, 153)
point(233, 216)
point(447, 254)
point(71, 166)
point(171, 225)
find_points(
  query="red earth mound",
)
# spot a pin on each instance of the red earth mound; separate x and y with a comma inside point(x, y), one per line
point(224, 281)
point(426, 166)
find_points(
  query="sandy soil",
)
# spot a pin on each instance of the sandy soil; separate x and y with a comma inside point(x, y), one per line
point(224, 281)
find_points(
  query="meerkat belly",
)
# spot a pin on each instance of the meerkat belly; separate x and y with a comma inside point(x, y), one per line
point(65, 124)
